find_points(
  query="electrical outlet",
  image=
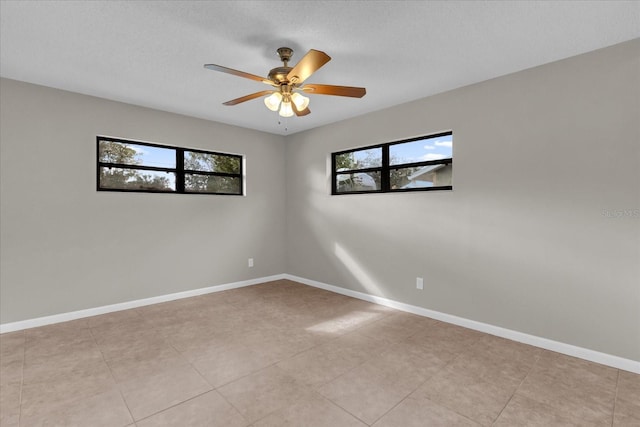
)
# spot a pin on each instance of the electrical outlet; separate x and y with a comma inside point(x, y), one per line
point(419, 283)
point(250, 262)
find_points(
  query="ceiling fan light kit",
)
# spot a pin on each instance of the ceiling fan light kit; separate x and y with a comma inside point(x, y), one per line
point(286, 110)
point(301, 101)
point(289, 82)
point(283, 100)
point(273, 101)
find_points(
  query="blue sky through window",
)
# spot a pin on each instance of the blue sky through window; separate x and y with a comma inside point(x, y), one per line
point(155, 156)
point(415, 151)
point(422, 150)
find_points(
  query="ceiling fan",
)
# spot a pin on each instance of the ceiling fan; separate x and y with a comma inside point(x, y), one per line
point(289, 83)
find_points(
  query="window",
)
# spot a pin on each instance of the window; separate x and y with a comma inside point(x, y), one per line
point(143, 167)
point(417, 164)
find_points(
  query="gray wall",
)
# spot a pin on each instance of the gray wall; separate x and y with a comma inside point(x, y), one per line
point(67, 247)
point(524, 241)
point(527, 240)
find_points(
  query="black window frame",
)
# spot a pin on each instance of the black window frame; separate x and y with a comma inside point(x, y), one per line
point(179, 171)
point(385, 169)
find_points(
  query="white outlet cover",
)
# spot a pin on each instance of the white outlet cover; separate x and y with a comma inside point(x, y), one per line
point(419, 283)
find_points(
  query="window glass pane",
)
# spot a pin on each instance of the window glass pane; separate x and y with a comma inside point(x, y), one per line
point(358, 181)
point(132, 179)
point(361, 159)
point(422, 150)
point(194, 183)
point(135, 154)
point(206, 162)
point(421, 177)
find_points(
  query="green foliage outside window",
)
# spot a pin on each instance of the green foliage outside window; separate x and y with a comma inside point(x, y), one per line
point(112, 177)
point(132, 166)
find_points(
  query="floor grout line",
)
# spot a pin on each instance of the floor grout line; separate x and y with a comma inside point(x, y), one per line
point(615, 399)
point(444, 368)
point(174, 405)
point(24, 357)
point(514, 392)
point(233, 406)
point(346, 410)
point(95, 340)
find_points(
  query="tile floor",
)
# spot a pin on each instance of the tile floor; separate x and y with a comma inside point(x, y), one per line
point(285, 354)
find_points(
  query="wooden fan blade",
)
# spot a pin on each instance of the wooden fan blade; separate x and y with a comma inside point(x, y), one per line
point(248, 97)
point(309, 64)
point(222, 69)
point(354, 92)
point(300, 113)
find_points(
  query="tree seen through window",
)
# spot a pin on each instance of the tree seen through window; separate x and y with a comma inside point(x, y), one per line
point(131, 166)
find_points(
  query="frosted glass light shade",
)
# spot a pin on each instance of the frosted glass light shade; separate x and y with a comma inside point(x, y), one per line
point(286, 110)
point(273, 101)
point(301, 102)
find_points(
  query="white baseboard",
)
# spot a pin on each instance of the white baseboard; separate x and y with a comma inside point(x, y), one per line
point(73, 315)
point(559, 347)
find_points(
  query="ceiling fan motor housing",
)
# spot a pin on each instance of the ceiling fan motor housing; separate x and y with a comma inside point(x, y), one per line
point(279, 75)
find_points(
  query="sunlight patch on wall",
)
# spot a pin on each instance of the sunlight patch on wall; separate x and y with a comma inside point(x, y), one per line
point(359, 273)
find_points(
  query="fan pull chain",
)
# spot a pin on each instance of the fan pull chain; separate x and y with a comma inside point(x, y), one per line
point(286, 125)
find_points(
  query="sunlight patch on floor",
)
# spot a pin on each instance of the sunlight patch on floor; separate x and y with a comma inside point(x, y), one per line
point(339, 324)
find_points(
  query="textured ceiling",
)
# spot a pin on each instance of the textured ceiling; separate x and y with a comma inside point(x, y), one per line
point(152, 53)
